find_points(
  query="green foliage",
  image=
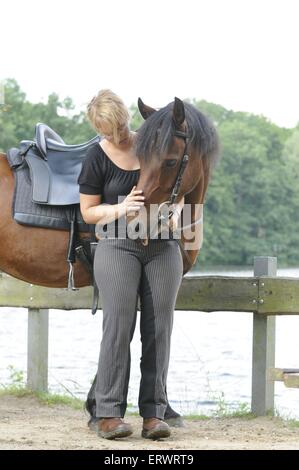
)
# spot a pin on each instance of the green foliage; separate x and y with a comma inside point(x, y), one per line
point(252, 199)
point(136, 118)
point(16, 377)
point(17, 387)
point(293, 423)
point(44, 398)
point(18, 118)
point(225, 410)
point(252, 202)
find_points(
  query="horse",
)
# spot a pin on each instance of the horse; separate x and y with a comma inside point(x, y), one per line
point(178, 147)
point(160, 148)
point(37, 255)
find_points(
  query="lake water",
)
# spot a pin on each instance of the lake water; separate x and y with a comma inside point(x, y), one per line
point(210, 362)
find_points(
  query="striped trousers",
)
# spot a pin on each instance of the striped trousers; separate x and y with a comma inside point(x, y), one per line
point(124, 268)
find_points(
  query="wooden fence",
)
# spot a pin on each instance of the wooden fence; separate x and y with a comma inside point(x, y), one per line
point(264, 294)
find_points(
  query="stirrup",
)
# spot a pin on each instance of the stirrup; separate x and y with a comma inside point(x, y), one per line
point(71, 282)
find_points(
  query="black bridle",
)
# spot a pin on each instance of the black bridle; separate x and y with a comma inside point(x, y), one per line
point(177, 184)
point(176, 188)
point(178, 181)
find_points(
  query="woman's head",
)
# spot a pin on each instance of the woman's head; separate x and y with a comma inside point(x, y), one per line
point(109, 116)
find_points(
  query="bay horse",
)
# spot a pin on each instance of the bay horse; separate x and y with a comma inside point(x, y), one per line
point(177, 148)
point(37, 255)
point(22, 248)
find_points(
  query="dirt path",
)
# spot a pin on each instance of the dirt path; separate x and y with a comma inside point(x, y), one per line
point(27, 424)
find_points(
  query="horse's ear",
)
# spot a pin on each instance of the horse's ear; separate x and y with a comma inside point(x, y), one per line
point(145, 110)
point(178, 112)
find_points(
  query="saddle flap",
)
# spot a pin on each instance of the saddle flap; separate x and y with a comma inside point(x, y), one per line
point(14, 158)
point(40, 178)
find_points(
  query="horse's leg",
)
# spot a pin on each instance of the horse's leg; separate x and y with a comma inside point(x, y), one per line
point(193, 235)
point(171, 417)
point(90, 406)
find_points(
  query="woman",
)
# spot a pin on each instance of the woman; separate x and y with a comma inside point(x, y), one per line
point(123, 267)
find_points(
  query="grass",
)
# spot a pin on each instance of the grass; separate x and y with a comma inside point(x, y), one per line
point(223, 410)
point(196, 417)
point(17, 388)
point(293, 423)
point(48, 399)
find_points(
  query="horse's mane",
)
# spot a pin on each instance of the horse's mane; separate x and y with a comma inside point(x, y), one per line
point(157, 132)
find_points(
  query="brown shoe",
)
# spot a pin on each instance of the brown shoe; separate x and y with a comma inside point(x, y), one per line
point(154, 428)
point(112, 428)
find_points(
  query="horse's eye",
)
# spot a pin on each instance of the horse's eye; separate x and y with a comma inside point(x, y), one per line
point(170, 163)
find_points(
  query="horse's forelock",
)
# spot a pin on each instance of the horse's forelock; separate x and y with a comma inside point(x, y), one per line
point(157, 132)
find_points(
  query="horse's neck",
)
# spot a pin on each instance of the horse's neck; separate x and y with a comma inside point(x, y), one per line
point(197, 195)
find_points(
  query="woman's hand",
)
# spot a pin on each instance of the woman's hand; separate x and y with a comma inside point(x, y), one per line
point(133, 202)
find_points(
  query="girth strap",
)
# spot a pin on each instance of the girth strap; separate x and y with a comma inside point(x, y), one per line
point(71, 254)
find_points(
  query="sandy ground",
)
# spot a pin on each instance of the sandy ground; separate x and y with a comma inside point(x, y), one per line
point(27, 424)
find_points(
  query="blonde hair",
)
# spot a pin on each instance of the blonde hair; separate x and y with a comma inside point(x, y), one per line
point(107, 107)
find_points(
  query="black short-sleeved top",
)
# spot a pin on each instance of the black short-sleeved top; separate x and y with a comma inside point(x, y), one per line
point(101, 176)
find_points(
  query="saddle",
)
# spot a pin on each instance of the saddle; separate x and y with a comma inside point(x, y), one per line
point(54, 166)
point(46, 193)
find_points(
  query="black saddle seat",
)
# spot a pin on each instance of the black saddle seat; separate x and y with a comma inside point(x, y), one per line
point(42, 133)
point(47, 140)
point(54, 166)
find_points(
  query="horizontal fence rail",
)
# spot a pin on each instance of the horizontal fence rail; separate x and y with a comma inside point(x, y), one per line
point(264, 294)
point(279, 296)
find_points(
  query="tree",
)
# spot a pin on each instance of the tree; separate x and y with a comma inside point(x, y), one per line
point(252, 203)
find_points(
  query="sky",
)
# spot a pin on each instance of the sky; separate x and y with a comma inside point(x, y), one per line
point(242, 54)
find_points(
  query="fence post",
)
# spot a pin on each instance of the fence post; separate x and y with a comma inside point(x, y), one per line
point(263, 347)
point(37, 353)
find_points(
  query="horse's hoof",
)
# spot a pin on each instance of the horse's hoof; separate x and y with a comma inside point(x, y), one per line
point(176, 422)
point(93, 424)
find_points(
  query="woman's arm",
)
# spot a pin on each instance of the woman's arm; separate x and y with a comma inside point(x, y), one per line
point(94, 212)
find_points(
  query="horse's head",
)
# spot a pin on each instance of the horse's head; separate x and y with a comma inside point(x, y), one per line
point(170, 145)
point(160, 147)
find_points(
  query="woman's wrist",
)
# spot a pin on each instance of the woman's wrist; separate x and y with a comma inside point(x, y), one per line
point(120, 209)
